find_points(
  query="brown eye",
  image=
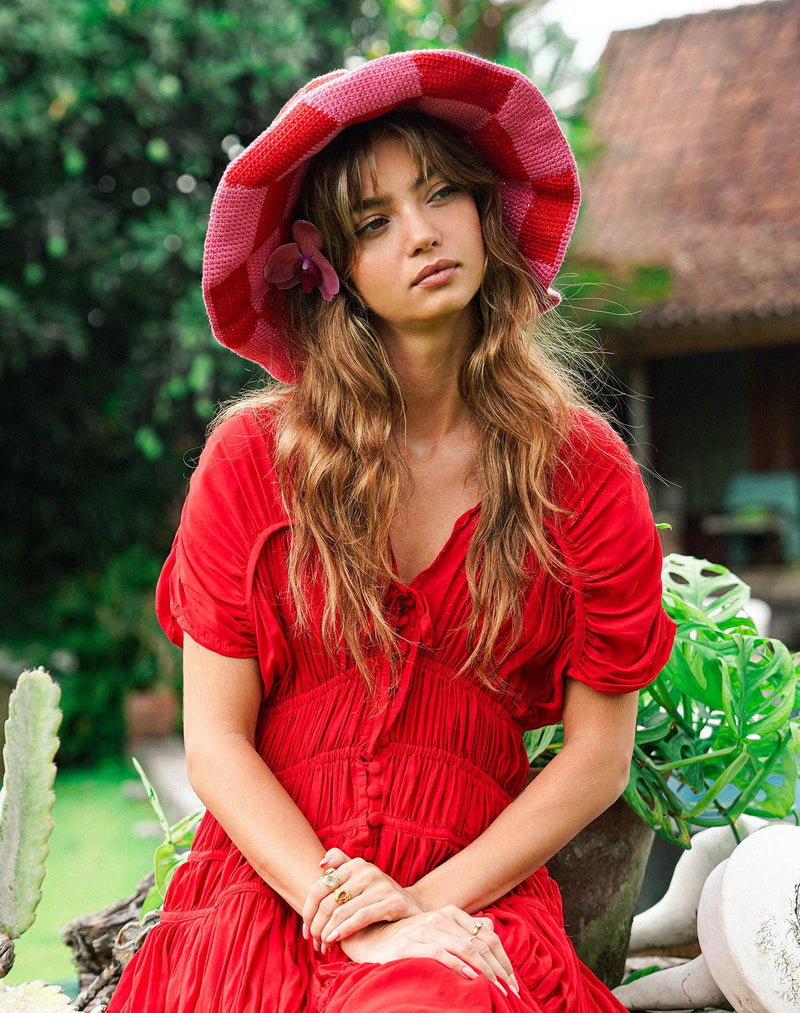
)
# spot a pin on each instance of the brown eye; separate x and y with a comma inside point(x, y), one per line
point(372, 226)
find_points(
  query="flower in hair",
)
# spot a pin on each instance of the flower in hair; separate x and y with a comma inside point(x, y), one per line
point(302, 263)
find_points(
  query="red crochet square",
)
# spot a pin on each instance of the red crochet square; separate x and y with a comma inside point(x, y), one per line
point(544, 228)
point(437, 83)
point(228, 296)
point(240, 331)
point(277, 151)
point(276, 199)
point(493, 140)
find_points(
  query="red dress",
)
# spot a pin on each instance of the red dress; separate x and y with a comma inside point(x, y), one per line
point(406, 784)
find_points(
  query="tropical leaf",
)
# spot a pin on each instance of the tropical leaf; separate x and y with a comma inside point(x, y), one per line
point(710, 587)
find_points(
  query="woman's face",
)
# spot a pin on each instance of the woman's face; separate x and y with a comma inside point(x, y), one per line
point(420, 253)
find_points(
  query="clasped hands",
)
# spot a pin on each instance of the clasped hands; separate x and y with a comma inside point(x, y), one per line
point(376, 920)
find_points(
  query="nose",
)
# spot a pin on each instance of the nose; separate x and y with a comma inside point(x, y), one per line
point(422, 232)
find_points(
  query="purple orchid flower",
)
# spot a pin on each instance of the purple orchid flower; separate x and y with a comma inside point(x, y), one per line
point(302, 263)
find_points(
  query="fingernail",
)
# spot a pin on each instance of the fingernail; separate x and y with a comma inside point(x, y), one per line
point(323, 862)
point(515, 986)
point(501, 988)
point(316, 945)
point(333, 936)
point(324, 949)
point(469, 972)
point(305, 931)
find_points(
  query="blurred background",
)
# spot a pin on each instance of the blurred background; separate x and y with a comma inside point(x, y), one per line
point(117, 119)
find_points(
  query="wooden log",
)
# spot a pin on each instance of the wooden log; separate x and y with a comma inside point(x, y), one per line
point(103, 942)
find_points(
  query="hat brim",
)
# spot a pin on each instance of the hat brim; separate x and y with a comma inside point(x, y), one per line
point(496, 109)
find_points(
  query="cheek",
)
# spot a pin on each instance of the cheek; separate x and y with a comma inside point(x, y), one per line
point(368, 281)
point(360, 273)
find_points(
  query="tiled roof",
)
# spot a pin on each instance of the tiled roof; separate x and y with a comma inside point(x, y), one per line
point(698, 119)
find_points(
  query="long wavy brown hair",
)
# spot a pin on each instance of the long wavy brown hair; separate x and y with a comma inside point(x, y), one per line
point(338, 460)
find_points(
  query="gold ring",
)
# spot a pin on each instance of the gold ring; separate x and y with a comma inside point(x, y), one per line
point(330, 878)
point(342, 895)
point(477, 926)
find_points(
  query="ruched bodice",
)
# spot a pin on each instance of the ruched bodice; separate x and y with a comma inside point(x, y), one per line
point(411, 774)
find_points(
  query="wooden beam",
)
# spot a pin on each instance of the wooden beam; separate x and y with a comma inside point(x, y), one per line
point(696, 337)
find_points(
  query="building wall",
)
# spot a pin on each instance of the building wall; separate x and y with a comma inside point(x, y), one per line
point(700, 426)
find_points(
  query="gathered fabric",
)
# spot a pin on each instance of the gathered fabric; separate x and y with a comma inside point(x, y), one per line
point(410, 776)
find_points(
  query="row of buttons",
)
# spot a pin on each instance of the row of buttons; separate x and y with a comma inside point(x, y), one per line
point(374, 769)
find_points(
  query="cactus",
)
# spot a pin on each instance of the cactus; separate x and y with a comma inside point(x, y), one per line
point(26, 801)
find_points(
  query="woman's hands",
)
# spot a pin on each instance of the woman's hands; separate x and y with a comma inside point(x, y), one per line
point(382, 921)
point(446, 935)
point(375, 897)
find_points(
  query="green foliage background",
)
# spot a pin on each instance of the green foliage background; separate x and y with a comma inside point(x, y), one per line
point(117, 118)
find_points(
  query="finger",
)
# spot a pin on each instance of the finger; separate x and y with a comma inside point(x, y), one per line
point(320, 890)
point(317, 895)
point(364, 883)
point(333, 858)
point(443, 956)
point(488, 942)
point(459, 947)
point(331, 912)
point(496, 959)
point(482, 955)
point(344, 923)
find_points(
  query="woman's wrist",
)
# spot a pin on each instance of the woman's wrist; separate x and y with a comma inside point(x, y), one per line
point(419, 895)
point(360, 946)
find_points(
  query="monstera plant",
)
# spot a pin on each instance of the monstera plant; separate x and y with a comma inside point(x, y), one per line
point(715, 736)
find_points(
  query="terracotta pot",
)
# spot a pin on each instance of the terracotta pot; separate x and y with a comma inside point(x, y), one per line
point(150, 713)
point(600, 874)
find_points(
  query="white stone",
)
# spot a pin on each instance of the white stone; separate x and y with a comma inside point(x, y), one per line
point(687, 986)
point(749, 926)
point(673, 920)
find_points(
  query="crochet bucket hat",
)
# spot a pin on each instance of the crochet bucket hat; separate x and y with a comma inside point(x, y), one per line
point(495, 109)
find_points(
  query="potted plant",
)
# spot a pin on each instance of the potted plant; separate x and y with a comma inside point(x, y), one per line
point(149, 663)
point(714, 740)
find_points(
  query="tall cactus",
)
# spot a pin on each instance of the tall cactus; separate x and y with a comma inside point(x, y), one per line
point(26, 801)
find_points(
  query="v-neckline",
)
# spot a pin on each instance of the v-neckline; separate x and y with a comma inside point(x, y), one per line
point(457, 524)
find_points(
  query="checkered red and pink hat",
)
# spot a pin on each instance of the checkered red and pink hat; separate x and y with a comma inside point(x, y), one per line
point(496, 109)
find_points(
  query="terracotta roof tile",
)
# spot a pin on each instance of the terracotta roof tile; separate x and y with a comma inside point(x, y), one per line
point(699, 172)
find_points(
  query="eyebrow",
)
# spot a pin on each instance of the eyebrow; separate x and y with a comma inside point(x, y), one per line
point(380, 200)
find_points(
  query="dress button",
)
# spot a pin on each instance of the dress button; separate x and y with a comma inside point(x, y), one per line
point(375, 767)
point(369, 854)
point(374, 790)
point(375, 819)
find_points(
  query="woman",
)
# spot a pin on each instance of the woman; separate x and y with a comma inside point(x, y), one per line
point(391, 564)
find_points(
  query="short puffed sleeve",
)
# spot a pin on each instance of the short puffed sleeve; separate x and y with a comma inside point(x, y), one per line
point(233, 502)
point(609, 541)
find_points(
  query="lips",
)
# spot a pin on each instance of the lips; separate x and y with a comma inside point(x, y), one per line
point(439, 271)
